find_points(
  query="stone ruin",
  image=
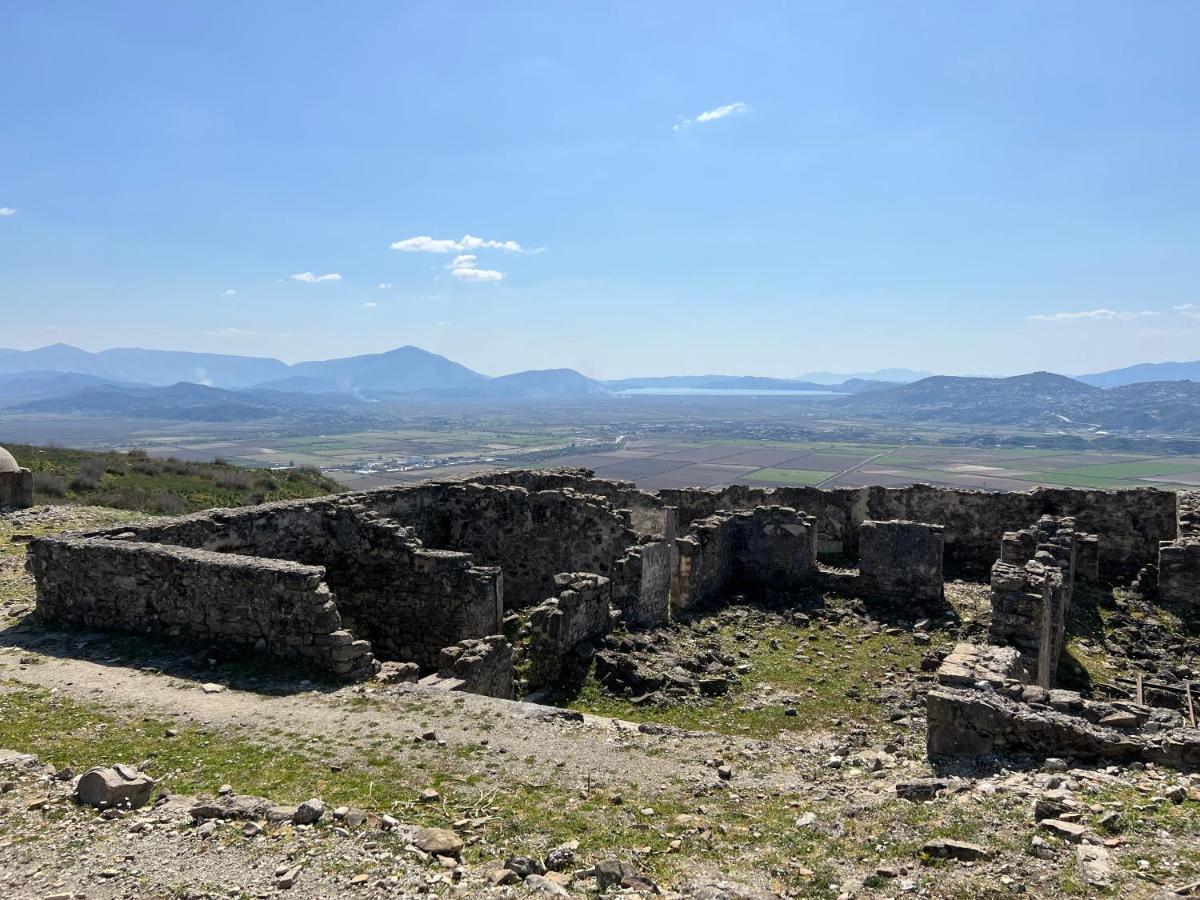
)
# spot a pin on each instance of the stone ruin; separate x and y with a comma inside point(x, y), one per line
point(1000, 698)
point(505, 583)
point(16, 483)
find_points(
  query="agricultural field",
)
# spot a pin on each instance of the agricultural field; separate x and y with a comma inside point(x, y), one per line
point(656, 464)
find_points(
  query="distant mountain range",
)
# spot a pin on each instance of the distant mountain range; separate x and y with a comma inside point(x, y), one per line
point(1039, 400)
point(1145, 372)
point(162, 384)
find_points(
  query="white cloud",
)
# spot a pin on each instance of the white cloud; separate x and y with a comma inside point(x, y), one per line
point(425, 244)
point(6, 211)
point(1102, 315)
point(310, 278)
point(230, 293)
point(1191, 310)
point(370, 304)
point(464, 269)
point(384, 285)
point(712, 115)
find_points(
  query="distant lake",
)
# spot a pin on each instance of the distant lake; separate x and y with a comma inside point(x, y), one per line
point(724, 392)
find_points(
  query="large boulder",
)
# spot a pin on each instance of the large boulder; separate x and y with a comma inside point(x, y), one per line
point(118, 786)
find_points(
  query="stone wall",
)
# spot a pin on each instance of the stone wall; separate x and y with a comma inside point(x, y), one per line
point(579, 614)
point(1179, 573)
point(531, 535)
point(982, 707)
point(16, 489)
point(646, 509)
point(477, 666)
point(901, 560)
point(1031, 586)
point(772, 548)
point(642, 584)
point(1131, 523)
point(409, 601)
point(277, 607)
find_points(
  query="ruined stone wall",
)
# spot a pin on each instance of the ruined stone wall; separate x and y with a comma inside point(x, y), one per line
point(1187, 515)
point(579, 614)
point(646, 509)
point(477, 666)
point(276, 607)
point(901, 560)
point(531, 536)
point(1130, 523)
point(704, 562)
point(409, 601)
point(1031, 587)
point(767, 547)
point(16, 489)
point(642, 584)
point(1179, 573)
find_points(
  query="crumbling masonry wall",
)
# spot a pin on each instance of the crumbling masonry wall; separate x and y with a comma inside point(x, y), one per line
point(1179, 560)
point(642, 584)
point(407, 600)
point(767, 547)
point(477, 666)
point(1032, 584)
point(579, 614)
point(901, 560)
point(531, 535)
point(1132, 523)
point(276, 607)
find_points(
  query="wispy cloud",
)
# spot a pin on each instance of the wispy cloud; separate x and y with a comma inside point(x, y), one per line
point(6, 211)
point(370, 304)
point(712, 115)
point(1101, 315)
point(464, 269)
point(310, 278)
point(426, 244)
point(384, 285)
point(230, 293)
point(1191, 310)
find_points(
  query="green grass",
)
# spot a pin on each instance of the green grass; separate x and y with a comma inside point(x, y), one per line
point(1138, 469)
point(816, 687)
point(135, 481)
point(1064, 478)
point(789, 476)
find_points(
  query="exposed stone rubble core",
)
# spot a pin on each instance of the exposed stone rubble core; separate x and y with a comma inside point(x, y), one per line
point(1032, 584)
point(16, 483)
point(901, 560)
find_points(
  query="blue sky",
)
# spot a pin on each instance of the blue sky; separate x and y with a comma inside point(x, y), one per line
point(962, 187)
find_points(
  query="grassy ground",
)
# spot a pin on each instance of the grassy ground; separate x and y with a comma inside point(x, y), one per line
point(135, 481)
point(801, 678)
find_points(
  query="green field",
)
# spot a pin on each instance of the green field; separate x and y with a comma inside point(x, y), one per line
point(789, 476)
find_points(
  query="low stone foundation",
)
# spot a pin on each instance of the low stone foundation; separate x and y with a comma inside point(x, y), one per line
point(477, 666)
point(982, 708)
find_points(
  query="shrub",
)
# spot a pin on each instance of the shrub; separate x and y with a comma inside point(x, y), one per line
point(49, 485)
